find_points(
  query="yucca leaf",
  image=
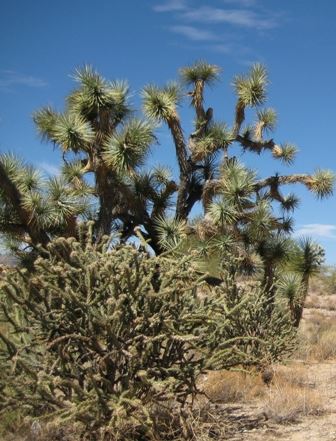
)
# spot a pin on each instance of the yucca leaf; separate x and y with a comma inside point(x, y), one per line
point(170, 231)
point(285, 152)
point(200, 71)
point(237, 182)
point(266, 122)
point(322, 183)
point(73, 133)
point(307, 256)
point(222, 212)
point(290, 202)
point(160, 104)
point(45, 120)
point(97, 94)
point(289, 287)
point(126, 150)
point(218, 136)
point(251, 89)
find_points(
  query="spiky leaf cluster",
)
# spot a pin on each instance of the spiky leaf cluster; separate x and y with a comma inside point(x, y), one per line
point(47, 204)
point(126, 150)
point(251, 88)
point(200, 71)
point(160, 104)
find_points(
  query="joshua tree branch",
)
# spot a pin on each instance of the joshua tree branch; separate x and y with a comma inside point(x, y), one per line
point(184, 166)
point(239, 117)
point(27, 219)
point(255, 146)
point(285, 179)
point(213, 185)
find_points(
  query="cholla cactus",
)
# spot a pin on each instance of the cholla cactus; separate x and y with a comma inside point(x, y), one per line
point(99, 335)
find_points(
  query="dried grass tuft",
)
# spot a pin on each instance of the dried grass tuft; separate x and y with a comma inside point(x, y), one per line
point(287, 403)
point(232, 387)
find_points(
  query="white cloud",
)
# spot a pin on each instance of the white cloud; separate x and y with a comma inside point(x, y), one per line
point(201, 23)
point(49, 169)
point(241, 3)
point(321, 230)
point(193, 33)
point(10, 79)
point(221, 47)
point(170, 6)
point(237, 17)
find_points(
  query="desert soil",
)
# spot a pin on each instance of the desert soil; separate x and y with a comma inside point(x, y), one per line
point(247, 422)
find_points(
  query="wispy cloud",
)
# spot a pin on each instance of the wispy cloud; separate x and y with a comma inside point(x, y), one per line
point(319, 230)
point(240, 3)
point(170, 6)
point(48, 168)
point(223, 48)
point(193, 33)
point(238, 17)
point(204, 23)
point(10, 79)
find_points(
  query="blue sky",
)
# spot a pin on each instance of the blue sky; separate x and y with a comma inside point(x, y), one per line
point(147, 41)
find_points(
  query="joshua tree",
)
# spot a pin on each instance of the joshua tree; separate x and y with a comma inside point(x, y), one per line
point(104, 149)
point(306, 260)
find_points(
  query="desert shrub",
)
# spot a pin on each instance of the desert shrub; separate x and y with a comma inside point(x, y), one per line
point(105, 336)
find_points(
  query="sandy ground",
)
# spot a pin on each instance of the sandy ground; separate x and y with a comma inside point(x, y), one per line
point(247, 422)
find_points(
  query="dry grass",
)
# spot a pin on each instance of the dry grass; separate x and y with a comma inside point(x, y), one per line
point(325, 347)
point(319, 301)
point(293, 375)
point(287, 403)
point(232, 387)
point(290, 395)
point(317, 338)
point(28, 431)
point(206, 423)
point(312, 301)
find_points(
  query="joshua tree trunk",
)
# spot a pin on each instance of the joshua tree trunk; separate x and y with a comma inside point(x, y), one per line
point(106, 202)
point(184, 166)
point(298, 307)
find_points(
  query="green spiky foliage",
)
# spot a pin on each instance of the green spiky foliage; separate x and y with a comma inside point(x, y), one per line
point(103, 335)
point(289, 287)
point(46, 205)
point(105, 146)
point(306, 259)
